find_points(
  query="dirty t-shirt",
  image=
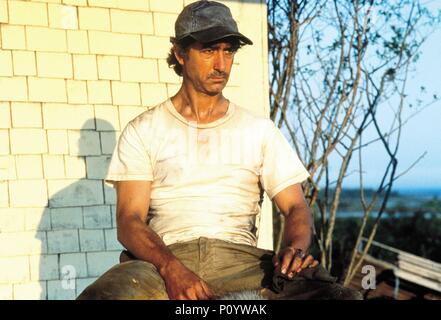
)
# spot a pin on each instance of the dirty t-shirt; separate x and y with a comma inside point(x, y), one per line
point(207, 179)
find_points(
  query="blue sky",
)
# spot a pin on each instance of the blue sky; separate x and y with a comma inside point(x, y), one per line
point(422, 133)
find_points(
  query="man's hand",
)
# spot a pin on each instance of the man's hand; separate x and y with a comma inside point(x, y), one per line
point(182, 284)
point(293, 261)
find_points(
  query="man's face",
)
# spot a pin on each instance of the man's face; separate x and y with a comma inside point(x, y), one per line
point(208, 66)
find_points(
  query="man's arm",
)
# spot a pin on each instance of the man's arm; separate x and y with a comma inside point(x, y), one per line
point(133, 200)
point(297, 233)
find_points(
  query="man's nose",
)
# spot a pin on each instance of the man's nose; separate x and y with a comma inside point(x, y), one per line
point(220, 61)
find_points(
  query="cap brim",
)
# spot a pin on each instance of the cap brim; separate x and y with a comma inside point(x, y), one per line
point(218, 33)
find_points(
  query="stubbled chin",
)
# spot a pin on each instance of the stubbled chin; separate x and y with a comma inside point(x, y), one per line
point(215, 89)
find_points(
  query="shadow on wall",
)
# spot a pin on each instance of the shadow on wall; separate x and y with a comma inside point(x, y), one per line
point(77, 230)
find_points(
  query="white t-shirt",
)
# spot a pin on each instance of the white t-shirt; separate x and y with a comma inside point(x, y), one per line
point(207, 179)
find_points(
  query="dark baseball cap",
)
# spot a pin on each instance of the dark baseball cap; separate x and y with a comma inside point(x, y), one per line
point(207, 21)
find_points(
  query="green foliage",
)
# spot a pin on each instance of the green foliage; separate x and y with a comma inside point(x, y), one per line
point(419, 234)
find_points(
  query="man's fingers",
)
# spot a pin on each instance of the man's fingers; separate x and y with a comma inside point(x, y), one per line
point(206, 291)
point(191, 293)
point(295, 265)
point(286, 261)
point(307, 262)
point(314, 264)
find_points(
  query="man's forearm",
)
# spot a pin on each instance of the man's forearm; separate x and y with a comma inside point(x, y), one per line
point(145, 243)
point(298, 228)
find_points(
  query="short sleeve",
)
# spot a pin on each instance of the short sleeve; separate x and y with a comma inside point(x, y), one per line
point(281, 166)
point(130, 159)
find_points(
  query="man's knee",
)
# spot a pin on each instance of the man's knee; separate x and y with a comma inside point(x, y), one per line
point(134, 280)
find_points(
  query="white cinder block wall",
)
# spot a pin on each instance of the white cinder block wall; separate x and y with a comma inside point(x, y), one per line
point(72, 74)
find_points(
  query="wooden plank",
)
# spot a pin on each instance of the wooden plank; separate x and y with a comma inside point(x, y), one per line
point(418, 280)
point(420, 271)
point(422, 262)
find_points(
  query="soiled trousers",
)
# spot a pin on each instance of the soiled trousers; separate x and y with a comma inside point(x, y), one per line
point(226, 267)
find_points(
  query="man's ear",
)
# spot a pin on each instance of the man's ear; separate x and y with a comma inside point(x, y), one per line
point(179, 54)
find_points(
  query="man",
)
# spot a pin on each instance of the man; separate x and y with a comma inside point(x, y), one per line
point(189, 175)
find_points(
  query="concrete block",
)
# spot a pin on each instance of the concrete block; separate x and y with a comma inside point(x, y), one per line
point(164, 23)
point(67, 218)
point(77, 261)
point(4, 142)
point(13, 89)
point(5, 115)
point(45, 39)
point(28, 193)
point(108, 67)
point(13, 37)
point(127, 113)
point(140, 5)
point(26, 115)
point(83, 283)
point(97, 217)
point(14, 269)
point(63, 241)
point(28, 141)
point(138, 70)
point(24, 63)
point(109, 195)
point(85, 67)
point(62, 16)
point(22, 243)
point(124, 93)
point(4, 193)
point(153, 93)
point(47, 90)
point(44, 267)
point(77, 41)
point(100, 262)
point(6, 63)
point(92, 240)
point(107, 118)
point(113, 210)
point(7, 165)
point(78, 3)
point(28, 13)
point(11, 220)
point(75, 167)
point(115, 43)
point(61, 290)
point(97, 167)
point(58, 142)
point(35, 290)
point(99, 92)
point(6, 290)
point(167, 74)
point(53, 166)
point(84, 143)
point(131, 22)
point(108, 142)
point(64, 116)
point(94, 18)
point(37, 219)
point(70, 193)
point(112, 242)
point(76, 92)
point(104, 3)
point(173, 88)
point(3, 19)
point(156, 47)
point(54, 65)
point(173, 6)
point(29, 167)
